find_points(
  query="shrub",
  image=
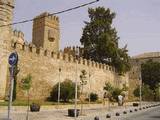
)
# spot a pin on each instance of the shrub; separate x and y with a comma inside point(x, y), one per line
point(67, 91)
point(115, 93)
point(93, 97)
point(135, 104)
point(147, 93)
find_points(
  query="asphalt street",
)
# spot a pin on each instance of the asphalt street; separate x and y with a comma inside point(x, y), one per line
point(152, 113)
point(149, 114)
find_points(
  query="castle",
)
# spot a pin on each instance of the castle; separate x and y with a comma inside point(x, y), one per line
point(42, 59)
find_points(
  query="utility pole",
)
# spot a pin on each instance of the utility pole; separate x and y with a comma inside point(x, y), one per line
point(83, 82)
point(75, 106)
point(159, 90)
point(140, 88)
point(89, 85)
point(59, 86)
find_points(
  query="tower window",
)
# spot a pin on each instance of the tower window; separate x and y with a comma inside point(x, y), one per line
point(45, 53)
point(52, 54)
point(51, 36)
point(30, 49)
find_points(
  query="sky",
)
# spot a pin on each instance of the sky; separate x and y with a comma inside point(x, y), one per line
point(137, 21)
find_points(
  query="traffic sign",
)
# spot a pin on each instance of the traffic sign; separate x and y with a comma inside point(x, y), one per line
point(13, 59)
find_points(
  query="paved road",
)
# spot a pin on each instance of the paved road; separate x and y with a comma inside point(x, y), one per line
point(147, 114)
point(150, 114)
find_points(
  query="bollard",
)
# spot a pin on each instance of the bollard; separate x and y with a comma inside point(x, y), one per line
point(130, 111)
point(124, 112)
point(96, 118)
point(108, 116)
point(135, 110)
point(117, 114)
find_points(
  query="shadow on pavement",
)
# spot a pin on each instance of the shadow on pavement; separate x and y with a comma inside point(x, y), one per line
point(155, 116)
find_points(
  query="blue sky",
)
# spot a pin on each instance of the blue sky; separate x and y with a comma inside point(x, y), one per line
point(137, 21)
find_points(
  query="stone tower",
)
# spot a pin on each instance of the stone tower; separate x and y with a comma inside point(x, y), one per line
point(6, 15)
point(46, 33)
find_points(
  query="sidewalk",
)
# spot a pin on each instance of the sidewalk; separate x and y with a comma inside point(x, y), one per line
point(52, 113)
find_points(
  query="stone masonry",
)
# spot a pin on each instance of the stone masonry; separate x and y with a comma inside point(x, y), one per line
point(6, 15)
point(42, 58)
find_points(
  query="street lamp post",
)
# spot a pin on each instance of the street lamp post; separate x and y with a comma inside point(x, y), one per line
point(159, 91)
point(140, 88)
point(108, 60)
point(89, 85)
point(75, 106)
point(59, 86)
point(82, 83)
point(140, 93)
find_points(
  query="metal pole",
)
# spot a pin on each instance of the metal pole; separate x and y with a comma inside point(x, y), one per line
point(27, 117)
point(140, 94)
point(81, 99)
point(59, 86)
point(140, 89)
point(159, 91)
point(89, 86)
point(10, 92)
point(75, 107)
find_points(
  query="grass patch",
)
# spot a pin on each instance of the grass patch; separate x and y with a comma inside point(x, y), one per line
point(45, 103)
point(24, 103)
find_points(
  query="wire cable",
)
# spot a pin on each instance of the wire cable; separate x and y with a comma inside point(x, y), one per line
point(63, 11)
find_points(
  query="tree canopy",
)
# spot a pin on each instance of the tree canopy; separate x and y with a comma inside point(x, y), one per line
point(151, 74)
point(100, 40)
point(26, 82)
point(113, 92)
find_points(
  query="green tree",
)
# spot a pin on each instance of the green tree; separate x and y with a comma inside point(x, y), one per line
point(67, 91)
point(100, 40)
point(83, 82)
point(113, 92)
point(26, 85)
point(125, 87)
point(150, 71)
point(93, 97)
point(147, 93)
point(108, 87)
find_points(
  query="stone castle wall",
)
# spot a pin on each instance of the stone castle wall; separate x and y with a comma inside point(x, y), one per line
point(43, 62)
point(44, 68)
point(6, 15)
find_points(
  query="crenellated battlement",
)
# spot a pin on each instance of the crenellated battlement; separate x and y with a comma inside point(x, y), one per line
point(7, 2)
point(47, 16)
point(72, 50)
point(66, 57)
point(18, 34)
